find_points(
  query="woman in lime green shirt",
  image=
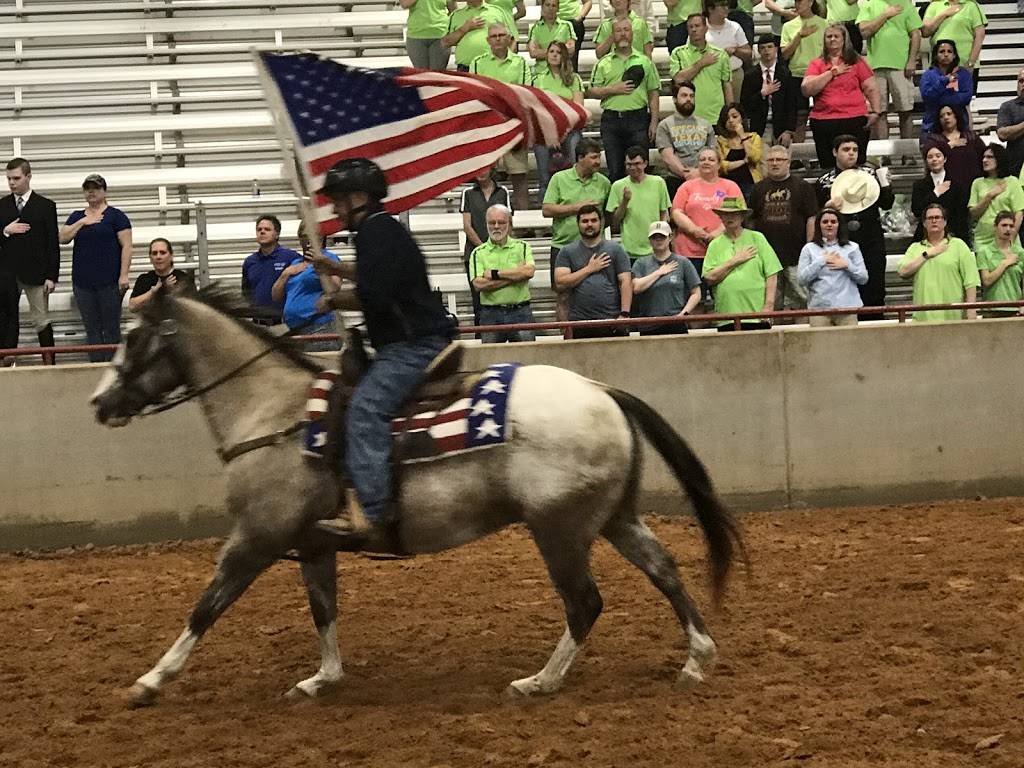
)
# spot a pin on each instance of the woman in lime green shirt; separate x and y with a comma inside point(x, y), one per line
point(428, 23)
point(559, 79)
point(1002, 268)
point(996, 191)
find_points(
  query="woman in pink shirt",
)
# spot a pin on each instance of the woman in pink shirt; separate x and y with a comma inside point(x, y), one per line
point(844, 90)
point(693, 208)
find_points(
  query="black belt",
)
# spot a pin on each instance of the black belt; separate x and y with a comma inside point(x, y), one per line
point(520, 305)
point(628, 113)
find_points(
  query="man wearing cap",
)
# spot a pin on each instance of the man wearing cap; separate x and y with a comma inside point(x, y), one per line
point(263, 267)
point(706, 66)
point(637, 200)
point(511, 68)
point(596, 274)
point(664, 283)
point(741, 267)
point(567, 192)
point(29, 256)
point(784, 208)
point(627, 84)
point(408, 327)
point(769, 95)
point(1010, 126)
point(681, 136)
point(100, 261)
point(859, 193)
point(502, 269)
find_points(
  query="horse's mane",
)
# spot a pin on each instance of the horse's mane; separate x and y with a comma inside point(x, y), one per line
point(229, 302)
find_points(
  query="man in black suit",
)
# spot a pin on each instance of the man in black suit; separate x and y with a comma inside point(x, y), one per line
point(769, 95)
point(29, 256)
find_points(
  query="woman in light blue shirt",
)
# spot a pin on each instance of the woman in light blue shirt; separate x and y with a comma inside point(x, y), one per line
point(831, 267)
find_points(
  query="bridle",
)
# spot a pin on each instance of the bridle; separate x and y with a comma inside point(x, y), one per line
point(168, 329)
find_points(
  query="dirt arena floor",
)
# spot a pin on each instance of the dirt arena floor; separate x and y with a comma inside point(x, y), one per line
point(866, 637)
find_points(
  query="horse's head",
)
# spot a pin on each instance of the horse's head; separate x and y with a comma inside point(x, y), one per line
point(145, 369)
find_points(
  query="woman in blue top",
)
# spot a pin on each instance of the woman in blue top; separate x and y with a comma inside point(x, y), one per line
point(100, 261)
point(299, 288)
point(944, 84)
point(831, 267)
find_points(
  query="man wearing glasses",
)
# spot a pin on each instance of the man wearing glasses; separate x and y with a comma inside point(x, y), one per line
point(507, 67)
point(1010, 126)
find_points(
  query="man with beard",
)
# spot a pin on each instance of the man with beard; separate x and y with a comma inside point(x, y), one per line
point(596, 274)
point(681, 137)
point(784, 209)
point(860, 212)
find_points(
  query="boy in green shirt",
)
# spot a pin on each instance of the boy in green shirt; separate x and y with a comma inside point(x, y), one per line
point(741, 267)
point(1002, 267)
point(636, 201)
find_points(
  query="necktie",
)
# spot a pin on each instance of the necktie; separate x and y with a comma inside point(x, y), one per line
point(20, 203)
point(768, 79)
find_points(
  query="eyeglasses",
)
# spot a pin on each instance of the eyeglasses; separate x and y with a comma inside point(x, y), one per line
point(934, 218)
point(497, 36)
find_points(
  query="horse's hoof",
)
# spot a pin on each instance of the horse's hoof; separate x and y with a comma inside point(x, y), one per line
point(515, 693)
point(689, 679)
point(140, 695)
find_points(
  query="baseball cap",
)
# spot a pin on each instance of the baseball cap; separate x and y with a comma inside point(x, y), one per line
point(94, 178)
point(659, 228)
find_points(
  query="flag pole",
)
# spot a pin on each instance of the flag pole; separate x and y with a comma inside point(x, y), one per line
point(295, 173)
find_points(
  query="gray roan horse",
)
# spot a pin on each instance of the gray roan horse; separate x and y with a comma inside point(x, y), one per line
point(569, 472)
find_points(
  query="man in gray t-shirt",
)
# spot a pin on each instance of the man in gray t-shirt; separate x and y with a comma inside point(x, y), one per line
point(680, 138)
point(664, 284)
point(596, 274)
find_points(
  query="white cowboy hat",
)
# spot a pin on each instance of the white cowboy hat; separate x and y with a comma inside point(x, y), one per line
point(857, 189)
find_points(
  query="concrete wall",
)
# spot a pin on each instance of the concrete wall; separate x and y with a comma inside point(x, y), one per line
point(801, 417)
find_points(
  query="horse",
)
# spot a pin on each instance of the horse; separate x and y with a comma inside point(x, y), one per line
point(569, 472)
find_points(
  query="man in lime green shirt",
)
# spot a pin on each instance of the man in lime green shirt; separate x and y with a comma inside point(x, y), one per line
point(428, 22)
point(507, 67)
point(643, 40)
point(893, 31)
point(741, 267)
point(467, 30)
point(964, 23)
point(943, 269)
point(704, 65)
point(1002, 267)
point(637, 200)
point(502, 269)
point(627, 84)
point(568, 191)
point(548, 30)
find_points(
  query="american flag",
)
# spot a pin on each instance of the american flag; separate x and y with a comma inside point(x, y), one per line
point(428, 131)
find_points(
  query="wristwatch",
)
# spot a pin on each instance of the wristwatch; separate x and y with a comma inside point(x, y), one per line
point(494, 275)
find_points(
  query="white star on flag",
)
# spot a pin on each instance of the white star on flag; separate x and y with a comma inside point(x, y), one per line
point(489, 428)
point(490, 374)
point(485, 407)
point(492, 386)
point(319, 439)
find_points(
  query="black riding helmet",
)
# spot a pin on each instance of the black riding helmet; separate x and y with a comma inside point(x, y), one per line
point(356, 174)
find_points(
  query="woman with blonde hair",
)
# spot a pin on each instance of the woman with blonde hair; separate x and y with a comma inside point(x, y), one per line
point(560, 79)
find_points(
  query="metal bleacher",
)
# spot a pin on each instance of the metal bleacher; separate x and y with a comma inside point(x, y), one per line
point(160, 96)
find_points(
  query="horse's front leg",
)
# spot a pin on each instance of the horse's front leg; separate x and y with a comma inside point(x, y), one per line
point(321, 577)
point(237, 568)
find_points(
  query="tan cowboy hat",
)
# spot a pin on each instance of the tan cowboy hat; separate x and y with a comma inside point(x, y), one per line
point(731, 205)
point(857, 189)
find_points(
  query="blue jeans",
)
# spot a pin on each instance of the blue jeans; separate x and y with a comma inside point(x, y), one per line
point(505, 316)
point(620, 131)
point(543, 155)
point(101, 312)
point(394, 375)
point(676, 36)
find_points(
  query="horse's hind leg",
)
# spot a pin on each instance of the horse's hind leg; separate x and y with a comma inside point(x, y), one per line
point(568, 563)
point(237, 568)
point(321, 577)
point(638, 544)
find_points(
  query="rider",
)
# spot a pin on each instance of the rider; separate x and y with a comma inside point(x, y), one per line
point(407, 325)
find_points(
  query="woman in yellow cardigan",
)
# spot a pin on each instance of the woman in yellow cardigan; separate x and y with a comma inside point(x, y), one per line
point(739, 148)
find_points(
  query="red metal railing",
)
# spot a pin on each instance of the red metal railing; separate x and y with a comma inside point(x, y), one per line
point(901, 311)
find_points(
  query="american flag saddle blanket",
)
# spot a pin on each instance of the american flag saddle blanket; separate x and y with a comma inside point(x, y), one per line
point(469, 423)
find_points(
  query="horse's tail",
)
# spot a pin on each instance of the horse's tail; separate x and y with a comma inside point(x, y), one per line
point(721, 532)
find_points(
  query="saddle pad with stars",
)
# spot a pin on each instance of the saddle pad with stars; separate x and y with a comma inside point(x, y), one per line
point(477, 421)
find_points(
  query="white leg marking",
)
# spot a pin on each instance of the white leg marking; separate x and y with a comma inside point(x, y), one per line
point(549, 679)
point(702, 657)
point(171, 663)
point(330, 672)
